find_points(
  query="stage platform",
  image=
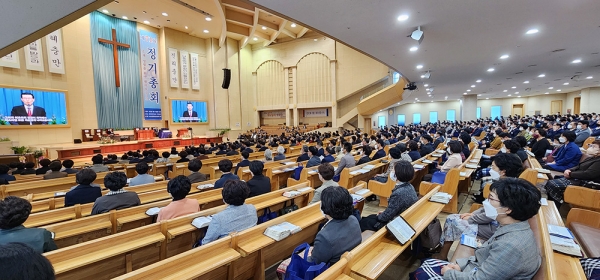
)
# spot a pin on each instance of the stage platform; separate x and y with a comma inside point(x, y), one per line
point(88, 149)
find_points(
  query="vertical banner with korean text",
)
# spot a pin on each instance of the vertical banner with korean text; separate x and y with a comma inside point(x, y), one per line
point(56, 61)
point(195, 67)
point(173, 68)
point(185, 69)
point(150, 81)
point(11, 60)
point(33, 56)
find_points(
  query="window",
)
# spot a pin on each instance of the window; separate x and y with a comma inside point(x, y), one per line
point(451, 115)
point(395, 77)
point(496, 112)
point(433, 117)
point(416, 118)
point(479, 112)
point(381, 120)
point(401, 119)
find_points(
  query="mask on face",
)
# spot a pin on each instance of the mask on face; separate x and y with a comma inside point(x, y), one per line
point(449, 151)
point(520, 129)
point(495, 175)
point(591, 151)
point(562, 140)
point(578, 126)
point(536, 136)
point(490, 211)
point(569, 126)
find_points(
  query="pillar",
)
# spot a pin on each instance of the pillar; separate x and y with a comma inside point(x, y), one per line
point(468, 107)
point(332, 68)
point(295, 97)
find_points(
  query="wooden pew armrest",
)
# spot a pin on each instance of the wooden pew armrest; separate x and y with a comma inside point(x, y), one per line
point(474, 207)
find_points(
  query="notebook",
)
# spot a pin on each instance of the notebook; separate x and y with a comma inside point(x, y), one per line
point(356, 198)
point(304, 189)
point(565, 245)
point(281, 231)
point(153, 211)
point(361, 192)
point(418, 166)
point(441, 197)
point(473, 166)
point(291, 193)
point(559, 231)
point(201, 222)
point(401, 230)
point(205, 186)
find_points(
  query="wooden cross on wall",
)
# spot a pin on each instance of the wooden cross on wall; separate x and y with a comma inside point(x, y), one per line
point(115, 46)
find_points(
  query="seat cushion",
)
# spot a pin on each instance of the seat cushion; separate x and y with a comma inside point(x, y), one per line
point(588, 238)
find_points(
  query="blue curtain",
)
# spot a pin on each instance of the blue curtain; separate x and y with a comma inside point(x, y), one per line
point(116, 107)
point(180, 106)
point(53, 102)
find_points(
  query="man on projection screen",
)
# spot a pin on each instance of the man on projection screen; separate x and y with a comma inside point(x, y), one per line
point(27, 114)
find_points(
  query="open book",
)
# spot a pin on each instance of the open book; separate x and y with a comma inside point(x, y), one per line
point(565, 245)
point(281, 231)
point(205, 186)
point(401, 229)
point(201, 222)
point(441, 197)
point(291, 193)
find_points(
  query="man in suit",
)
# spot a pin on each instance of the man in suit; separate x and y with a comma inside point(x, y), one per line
point(259, 184)
point(320, 151)
point(243, 163)
point(34, 113)
point(426, 146)
point(55, 167)
point(314, 158)
point(347, 160)
point(85, 191)
point(194, 166)
point(304, 156)
point(225, 167)
point(68, 165)
point(190, 115)
point(4, 173)
point(380, 151)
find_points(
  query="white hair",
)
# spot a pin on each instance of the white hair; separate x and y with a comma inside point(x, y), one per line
point(268, 154)
point(280, 150)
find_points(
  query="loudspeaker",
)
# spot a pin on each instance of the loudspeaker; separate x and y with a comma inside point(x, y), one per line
point(76, 141)
point(226, 78)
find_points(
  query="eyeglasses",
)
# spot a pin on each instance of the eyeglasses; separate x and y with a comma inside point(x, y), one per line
point(493, 199)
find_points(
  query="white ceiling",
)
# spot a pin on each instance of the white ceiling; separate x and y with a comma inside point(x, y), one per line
point(465, 38)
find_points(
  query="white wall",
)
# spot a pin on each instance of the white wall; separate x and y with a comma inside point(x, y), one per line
point(423, 108)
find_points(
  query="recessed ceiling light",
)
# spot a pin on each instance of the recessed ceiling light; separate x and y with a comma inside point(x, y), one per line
point(422, 76)
point(419, 66)
point(550, 87)
point(546, 93)
point(491, 70)
point(165, 14)
point(519, 96)
point(565, 84)
point(531, 31)
point(208, 18)
point(402, 17)
point(559, 90)
point(315, 39)
point(416, 98)
point(526, 82)
point(504, 56)
point(478, 81)
point(293, 25)
point(479, 95)
point(414, 49)
point(504, 90)
point(576, 61)
point(464, 93)
point(589, 77)
point(426, 85)
point(105, 11)
point(487, 98)
point(468, 90)
point(510, 95)
point(541, 75)
point(513, 87)
point(124, 17)
point(205, 31)
point(472, 85)
point(264, 28)
point(431, 101)
point(516, 92)
point(146, 22)
point(255, 39)
point(186, 27)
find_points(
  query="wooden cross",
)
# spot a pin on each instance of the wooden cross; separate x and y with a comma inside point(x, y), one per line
point(115, 46)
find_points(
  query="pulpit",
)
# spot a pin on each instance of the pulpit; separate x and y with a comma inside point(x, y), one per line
point(144, 134)
point(182, 132)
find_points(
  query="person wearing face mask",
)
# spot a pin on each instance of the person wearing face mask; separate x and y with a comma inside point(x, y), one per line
point(496, 144)
point(541, 144)
point(588, 170)
point(326, 173)
point(595, 129)
point(426, 145)
point(506, 165)
point(403, 196)
point(178, 187)
point(414, 150)
point(566, 156)
point(341, 233)
point(454, 158)
point(511, 252)
point(380, 151)
point(556, 130)
point(582, 132)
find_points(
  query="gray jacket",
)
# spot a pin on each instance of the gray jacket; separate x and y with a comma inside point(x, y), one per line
point(485, 226)
point(317, 194)
point(313, 161)
point(334, 239)
point(233, 218)
point(511, 253)
point(347, 161)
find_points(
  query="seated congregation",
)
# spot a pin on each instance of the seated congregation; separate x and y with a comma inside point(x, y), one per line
point(237, 185)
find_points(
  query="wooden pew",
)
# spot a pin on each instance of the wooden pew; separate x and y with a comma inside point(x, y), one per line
point(582, 197)
point(179, 169)
point(54, 185)
point(464, 185)
point(583, 223)
point(450, 186)
point(348, 177)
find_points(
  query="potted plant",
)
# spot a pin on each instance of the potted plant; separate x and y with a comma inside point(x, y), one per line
point(20, 150)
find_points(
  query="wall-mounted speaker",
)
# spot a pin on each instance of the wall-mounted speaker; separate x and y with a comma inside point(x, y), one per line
point(76, 141)
point(226, 78)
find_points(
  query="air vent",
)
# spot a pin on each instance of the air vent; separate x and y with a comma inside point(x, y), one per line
point(578, 72)
point(595, 53)
point(532, 65)
point(508, 78)
point(556, 80)
point(559, 50)
point(597, 66)
point(519, 73)
point(192, 8)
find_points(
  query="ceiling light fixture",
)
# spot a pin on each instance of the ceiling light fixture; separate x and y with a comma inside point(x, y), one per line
point(576, 61)
point(255, 39)
point(468, 90)
point(293, 25)
point(479, 95)
point(419, 66)
point(526, 82)
point(414, 49)
point(550, 87)
point(519, 96)
point(504, 56)
point(487, 98)
point(472, 85)
point(565, 84)
point(546, 93)
point(165, 14)
point(205, 31)
point(264, 28)
point(589, 77)
point(186, 27)
point(124, 17)
point(208, 18)
point(426, 85)
point(516, 92)
point(491, 70)
point(510, 95)
point(146, 22)
point(402, 17)
point(464, 93)
point(531, 31)
point(478, 81)
point(559, 90)
point(105, 11)
point(505, 90)
point(513, 87)
point(541, 75)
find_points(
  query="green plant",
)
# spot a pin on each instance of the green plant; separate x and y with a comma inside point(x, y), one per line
point(20, 150)
point(38, 153)
point(222, 131)
point(6, 139)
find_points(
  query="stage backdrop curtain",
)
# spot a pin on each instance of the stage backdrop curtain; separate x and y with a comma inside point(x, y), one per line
point(119, 108)
point(53, 102)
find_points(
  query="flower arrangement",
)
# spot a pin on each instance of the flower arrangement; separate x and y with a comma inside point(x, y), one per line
point(20, 150)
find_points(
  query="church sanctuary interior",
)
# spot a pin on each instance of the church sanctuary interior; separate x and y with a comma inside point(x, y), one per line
point(270, 139)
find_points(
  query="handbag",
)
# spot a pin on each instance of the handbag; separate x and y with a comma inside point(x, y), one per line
point(438, 177)
point(288, 209)
point(430, 237)
point(298, 171)
point(300, 268)
point(266, 216)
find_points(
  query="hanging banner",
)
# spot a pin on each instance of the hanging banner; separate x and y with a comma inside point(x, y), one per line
point(185, 69)
point(150, 81)
point(56, 62)
point(195, 67)
point(280, 114)
point(11, 60)
point(33, 56)
point(313, 113)
point(173, 68)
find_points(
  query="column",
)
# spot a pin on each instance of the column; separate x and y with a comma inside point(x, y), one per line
point(295, 96)
point(332, 68)
point(286, 91)
point(468, 107)
point(254, 93)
